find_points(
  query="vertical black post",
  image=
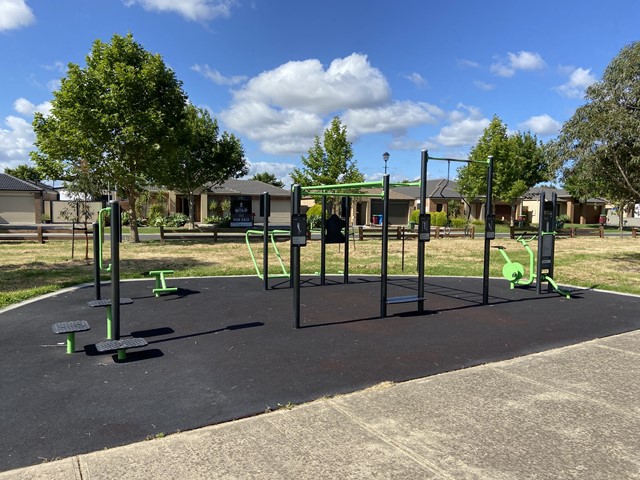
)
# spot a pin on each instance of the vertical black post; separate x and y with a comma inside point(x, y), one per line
point(385, 245)
point(323, 245)
point(541, 230)
point(551, 238)
point(489, 221)
point(295, 259)
point(96, 259)
point(291, 209)
point(347, 215)
point(264, 207)
point(115, 269)
point(423, 209)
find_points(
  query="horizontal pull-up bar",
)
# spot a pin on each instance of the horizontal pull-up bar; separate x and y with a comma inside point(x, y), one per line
point(486, 162)
point(344, 194)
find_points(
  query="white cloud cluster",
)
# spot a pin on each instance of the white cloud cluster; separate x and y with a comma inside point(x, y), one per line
point(216, 77)
point(15, 14)
point(194, 10)
point(27, 108)
point(522, 60)
point(541, 125)
point(466, 125)
point(285, 108)
point(16, 141)
point(417, 79)
point(579, 80)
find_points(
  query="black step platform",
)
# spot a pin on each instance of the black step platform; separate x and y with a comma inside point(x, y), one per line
point(69, 327)
point(106, 302)
point(122, 344)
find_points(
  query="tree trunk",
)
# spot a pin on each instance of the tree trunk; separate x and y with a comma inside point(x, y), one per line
point(192, 213)
point(134, 237)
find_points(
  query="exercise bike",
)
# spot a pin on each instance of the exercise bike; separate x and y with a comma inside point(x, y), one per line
point(514, 271)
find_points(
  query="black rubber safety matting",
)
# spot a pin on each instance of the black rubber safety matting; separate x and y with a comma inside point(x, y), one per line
point(223, 348)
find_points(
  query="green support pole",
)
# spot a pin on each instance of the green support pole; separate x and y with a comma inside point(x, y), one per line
point(71, 342)
point(109, 324)
point(122, 354)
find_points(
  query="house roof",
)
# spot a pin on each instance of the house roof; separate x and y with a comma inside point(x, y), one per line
point(11, 183)
point(248, 187)
point(437, 188)
point(563, 195)
point(393, 194)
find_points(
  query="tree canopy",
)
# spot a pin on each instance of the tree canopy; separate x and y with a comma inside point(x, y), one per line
point(119, 115)
point(329, 162)
point(518, 164)
point(203, 157)
point(25, 172)
point(270, 178)
point(598, 149)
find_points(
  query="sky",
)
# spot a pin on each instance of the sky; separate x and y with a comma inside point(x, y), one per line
point(403, 76)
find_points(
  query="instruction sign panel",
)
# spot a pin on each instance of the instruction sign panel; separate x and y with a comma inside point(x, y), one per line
point(490, 227)
point(424, 227)
point(298, 230)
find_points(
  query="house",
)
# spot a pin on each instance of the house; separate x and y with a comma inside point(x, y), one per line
point(244, 197)
point(582, 212)
point(23, 202)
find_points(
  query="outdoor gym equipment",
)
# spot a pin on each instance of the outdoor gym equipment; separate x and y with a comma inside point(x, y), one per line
point(271, 235)
point(514, 271)
point(542, 270)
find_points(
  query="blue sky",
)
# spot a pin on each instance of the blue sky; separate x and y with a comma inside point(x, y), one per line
point(403, 75)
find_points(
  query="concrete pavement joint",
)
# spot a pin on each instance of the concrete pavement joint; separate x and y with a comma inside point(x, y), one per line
point(398, 446)
point(616, 349)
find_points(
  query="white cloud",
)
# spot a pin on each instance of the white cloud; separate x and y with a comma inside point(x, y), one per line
point(349, 82)
point(25, 107)
point(216, 77)
point(15, 14)
point(522, 60)
point(483, 85)
point(416, 79)
point(394, 118)
point(579, 80)
point(463, 63)
point(15, 142)
point(466, 126)
point(194, 10)
point(542, 125)
point(285, 108)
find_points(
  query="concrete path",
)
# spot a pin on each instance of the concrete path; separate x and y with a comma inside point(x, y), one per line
point(567, 413)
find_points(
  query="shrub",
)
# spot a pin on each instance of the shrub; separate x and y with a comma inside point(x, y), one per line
point(457, 222)
point(439, 219)
point(314, 216)
point(415, 216)
point(176, 220)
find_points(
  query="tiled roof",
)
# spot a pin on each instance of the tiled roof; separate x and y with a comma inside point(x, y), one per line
point(435, 189)
point(534, 194)
point(11, 183)
point(248, 187)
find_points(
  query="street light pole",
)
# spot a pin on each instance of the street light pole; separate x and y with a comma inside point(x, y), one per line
point(385, 157)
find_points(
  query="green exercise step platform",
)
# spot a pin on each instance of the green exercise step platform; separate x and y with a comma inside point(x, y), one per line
point(161, 281)
point(70, 328)
point(120, 346)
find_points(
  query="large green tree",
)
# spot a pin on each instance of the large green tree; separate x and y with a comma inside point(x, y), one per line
point(330, 160)
point(119, 115)
point(203, 157)
point(518, 164)
point(25, 172)
point(598, 149)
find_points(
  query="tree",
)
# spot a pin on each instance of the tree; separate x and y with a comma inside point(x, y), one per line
point(330, 162)
point(598, 150)
point(270, 178)
point(119, 114)
point(25, 172)
point(518, 164)
point(202, 158)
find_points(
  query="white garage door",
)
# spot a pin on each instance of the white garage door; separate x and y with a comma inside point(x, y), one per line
point(18, 209)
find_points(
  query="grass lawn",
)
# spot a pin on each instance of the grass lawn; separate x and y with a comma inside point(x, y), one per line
point(29, 269)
